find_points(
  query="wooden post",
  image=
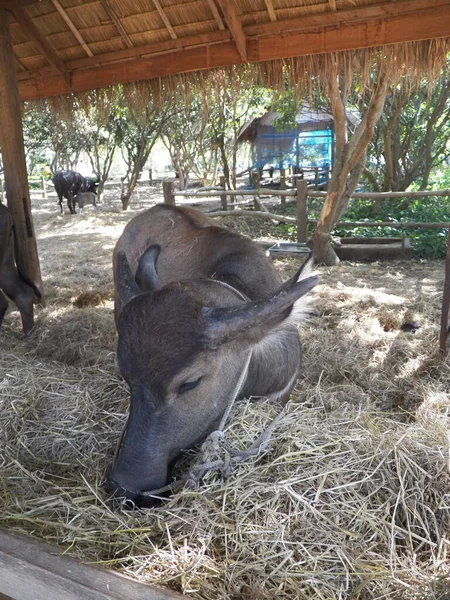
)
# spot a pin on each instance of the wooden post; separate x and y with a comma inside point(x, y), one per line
point(43, 187)
point(15, 169)
point(302, 210)
point(316, 178)
point(327, 176)
point(256, 180)
point(223, 199)
point(283, 184)
point(169, 197)
point(445, 314)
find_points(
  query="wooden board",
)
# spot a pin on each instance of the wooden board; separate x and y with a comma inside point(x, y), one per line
point(31, 570)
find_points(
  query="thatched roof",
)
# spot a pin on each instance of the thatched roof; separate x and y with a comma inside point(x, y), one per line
point(69, 45)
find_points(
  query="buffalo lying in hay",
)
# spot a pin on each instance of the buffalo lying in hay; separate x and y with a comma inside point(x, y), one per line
point(202, 317)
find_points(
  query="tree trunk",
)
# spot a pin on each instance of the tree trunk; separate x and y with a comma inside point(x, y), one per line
point(349, 164)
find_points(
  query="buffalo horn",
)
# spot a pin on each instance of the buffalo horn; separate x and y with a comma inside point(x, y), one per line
point(147, 276)
point(256, 317)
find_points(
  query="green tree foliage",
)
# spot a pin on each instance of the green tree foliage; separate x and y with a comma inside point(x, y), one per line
point(187, 134)
point(37, 133)
point(104, 131)
point(232, 100)
point(411, 138)
point(141, 120)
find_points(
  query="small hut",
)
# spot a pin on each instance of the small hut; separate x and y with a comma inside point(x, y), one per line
point(306, 148)
point(307, 144)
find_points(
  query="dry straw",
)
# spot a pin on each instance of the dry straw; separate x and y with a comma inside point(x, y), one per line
point(350, 500)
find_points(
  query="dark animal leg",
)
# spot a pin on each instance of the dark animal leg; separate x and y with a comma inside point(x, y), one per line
point(22, 295)
point(71, 203)
point(3, 306)
point(60, 202)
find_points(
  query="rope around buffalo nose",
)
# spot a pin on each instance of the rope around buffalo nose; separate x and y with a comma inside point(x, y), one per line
point(216, 444)
point(213, 444)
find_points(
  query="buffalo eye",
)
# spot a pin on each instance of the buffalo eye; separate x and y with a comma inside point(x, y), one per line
point(189, 385)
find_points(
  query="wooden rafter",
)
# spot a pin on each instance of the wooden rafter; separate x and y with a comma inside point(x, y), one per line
point(216, 14)
point(332, 4)
point(234, 25)
point(132, 65)
point(203, 40)
point(30, 29)
point(271, 10)
point(72, 27)
point(345, 17)
point(9, 4)
point(115, 19)
point(165, 20)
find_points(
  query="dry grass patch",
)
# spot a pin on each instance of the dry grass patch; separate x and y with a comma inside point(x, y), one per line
point(351, 499)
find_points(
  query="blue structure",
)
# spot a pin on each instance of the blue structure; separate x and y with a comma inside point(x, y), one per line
point(308, 144)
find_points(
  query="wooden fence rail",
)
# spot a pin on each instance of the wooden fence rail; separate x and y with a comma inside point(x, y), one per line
point(302, 192)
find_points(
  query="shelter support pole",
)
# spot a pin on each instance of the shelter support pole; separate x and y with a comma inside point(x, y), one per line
point(169, 197)
point(445, 315)
point(13, 154)
point(302, 210)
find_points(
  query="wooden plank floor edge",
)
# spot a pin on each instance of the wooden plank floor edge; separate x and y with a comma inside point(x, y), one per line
point(32, 570)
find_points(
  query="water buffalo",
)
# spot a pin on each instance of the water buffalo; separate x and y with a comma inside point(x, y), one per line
point(83, 198)
point(202, 316)
point(21, 291)
point(68, 184)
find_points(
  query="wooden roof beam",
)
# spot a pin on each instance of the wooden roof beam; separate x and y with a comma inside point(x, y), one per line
point(9, 4)
point(202, 39)
point(234, 25)
point(332, 4)
point(165, 20)
point(216, 14)
point(115, 19)
point(344, 17)
point(421, 25)
point(72, 27)
point(30, 29)
point(271, 11)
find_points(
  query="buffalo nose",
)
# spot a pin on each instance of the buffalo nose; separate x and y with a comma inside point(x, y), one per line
point(131, 499)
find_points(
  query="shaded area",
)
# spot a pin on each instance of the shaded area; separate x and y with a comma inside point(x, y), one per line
point(348, 502)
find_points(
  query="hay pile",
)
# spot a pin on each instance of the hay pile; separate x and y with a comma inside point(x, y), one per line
point(352, 498)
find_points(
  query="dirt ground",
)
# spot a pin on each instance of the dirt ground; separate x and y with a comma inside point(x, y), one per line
point(366, 386)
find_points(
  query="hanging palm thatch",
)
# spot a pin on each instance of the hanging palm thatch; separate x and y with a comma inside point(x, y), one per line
point(400, 64)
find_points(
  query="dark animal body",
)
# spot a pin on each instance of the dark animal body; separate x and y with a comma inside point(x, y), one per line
point(84, 198)
point(202, 317)
point(21, 291)
point(70, 183)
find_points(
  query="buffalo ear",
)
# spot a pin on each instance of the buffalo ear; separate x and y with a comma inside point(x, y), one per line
point(255, 320)
point(302, 273)
point(126, 287)
point(147, 276)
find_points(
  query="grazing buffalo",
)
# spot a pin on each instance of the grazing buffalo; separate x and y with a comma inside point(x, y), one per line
point(21, 291)
point(68, 184)
point(202, 317)
point(83, 198)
